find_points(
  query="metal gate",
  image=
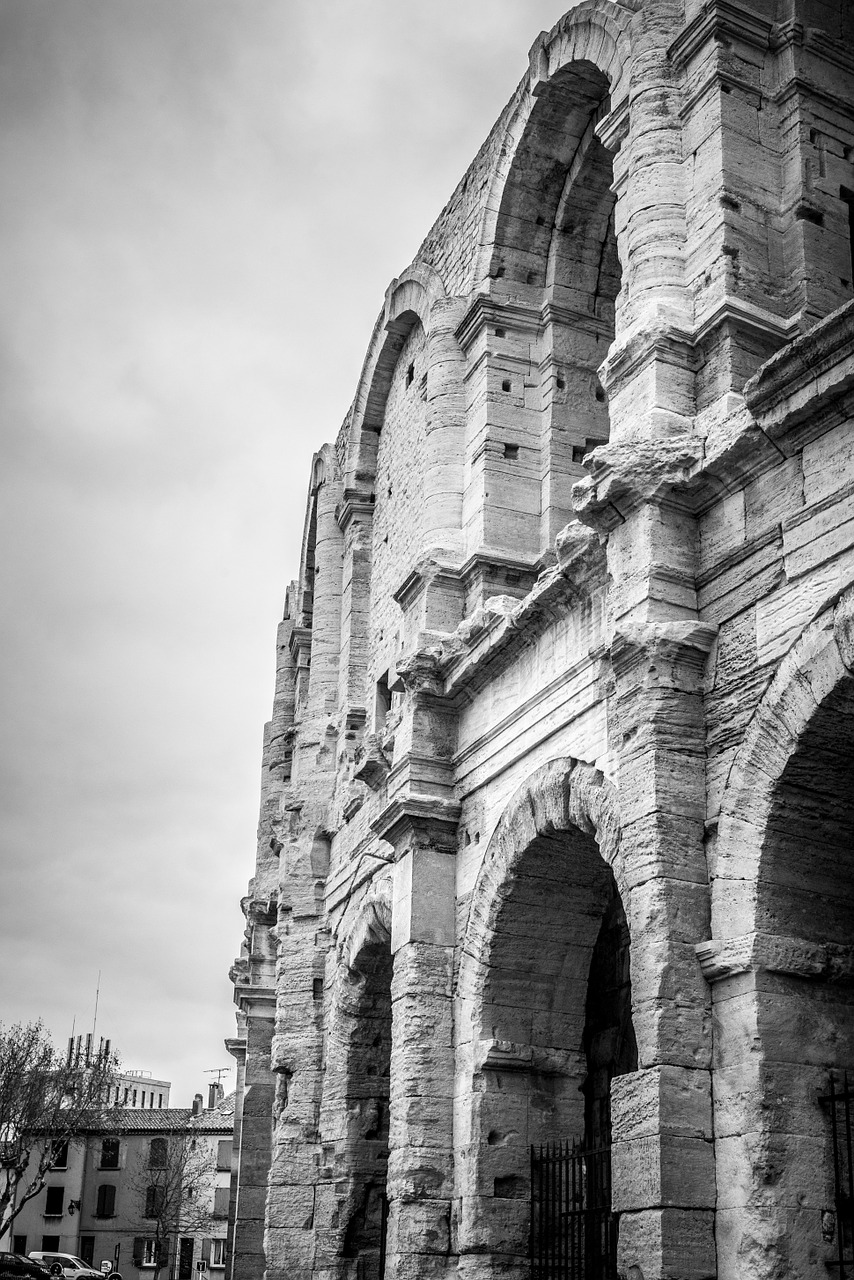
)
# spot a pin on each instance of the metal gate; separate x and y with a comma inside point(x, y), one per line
point(843, 1171)
point(573, 1231)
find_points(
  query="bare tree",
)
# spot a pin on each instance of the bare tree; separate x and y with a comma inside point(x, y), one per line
point(46, 1100)
point(174, 1184)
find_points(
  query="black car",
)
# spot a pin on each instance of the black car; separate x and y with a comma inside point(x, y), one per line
point(16, 1267)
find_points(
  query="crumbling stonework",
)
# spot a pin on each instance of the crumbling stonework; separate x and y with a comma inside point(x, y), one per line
point(557, 825)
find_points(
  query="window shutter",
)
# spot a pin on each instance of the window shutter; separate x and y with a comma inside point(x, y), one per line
point(223, 1154)
point(206, 1249)
point(221, 1195)
point(157, 1153)
point(137, 1251)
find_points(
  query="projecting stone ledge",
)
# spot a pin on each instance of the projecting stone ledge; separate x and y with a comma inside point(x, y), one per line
point(807, 376)
point(625, 474)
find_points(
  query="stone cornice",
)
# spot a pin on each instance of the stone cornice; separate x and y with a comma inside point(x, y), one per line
point(487, 643)
point(775, 953)
point(354, 503)
point(803, 390)
point(628, 473)
point(720, 18)
point(485, 309)
point(431, 820)
point(800, 381)
point(236, 1046)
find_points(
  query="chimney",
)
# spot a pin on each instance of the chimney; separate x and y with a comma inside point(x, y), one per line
point(198, 1104)
point(215, 1094)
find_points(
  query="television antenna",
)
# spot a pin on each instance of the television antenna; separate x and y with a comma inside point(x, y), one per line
point(219, 1072)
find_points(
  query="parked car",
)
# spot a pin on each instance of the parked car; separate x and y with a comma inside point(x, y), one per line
point(15, 1264)
point(71, 1265)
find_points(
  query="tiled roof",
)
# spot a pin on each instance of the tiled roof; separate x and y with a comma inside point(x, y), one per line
point(219, 1119)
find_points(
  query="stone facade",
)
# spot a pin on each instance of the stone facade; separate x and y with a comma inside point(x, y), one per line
point(557, 804)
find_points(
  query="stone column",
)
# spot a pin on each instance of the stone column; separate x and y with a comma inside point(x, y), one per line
point(420, 1170)
point(663, 1157)
point(420, 822)
point(444, 446)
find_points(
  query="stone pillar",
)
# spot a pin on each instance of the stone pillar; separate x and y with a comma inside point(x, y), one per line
point(420, 822)
point(501, 504)
point(421, 1151)
point(444, 445)
point(253, 1121)
point(297, 1049)
point(663, 1157)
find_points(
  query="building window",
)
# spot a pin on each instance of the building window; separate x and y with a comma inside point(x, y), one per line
point(220, 1209)
point(53, 1202)
point(50, 1244)
point(155, 1201)
point(145, 1251)
point(19, 1245)
point(127, 1094)
point(223, 1155)
point(185, 1258)
point(105, 1203)
point(109, 1153)
point(60, 1154)
point(217, 1253)
point(157, 1153)
point(160, 1099)
point(133, 1104)
point(143, 1097)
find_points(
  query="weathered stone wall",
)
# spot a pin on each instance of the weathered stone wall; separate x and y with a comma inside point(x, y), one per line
point(556, 825)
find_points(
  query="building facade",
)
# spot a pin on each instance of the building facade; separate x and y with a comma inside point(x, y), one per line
point(146, 1180)
point(557, 833)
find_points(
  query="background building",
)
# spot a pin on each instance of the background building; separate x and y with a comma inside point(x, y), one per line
point(557, 831)
point(147, 1173)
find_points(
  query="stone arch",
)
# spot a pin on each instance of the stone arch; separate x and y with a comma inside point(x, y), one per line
point(322, 470)
point(549, 246)
point(817, 664)
point(782, 957)
point(408, 301)
point(355, 1111)
point(595, 34)
point(542, 1031)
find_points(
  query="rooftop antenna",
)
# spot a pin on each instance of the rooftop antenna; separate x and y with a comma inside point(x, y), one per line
point(97, 994)
point(219, 1072)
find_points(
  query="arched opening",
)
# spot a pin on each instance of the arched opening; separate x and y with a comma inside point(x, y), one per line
point(555, 232)
point(805, 1002)
point(357, 1113)
point(556, 1027)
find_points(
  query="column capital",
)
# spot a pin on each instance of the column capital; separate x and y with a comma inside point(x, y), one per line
point(419, 822)
point(664, 654)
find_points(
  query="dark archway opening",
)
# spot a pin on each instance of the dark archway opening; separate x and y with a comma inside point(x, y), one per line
point(557, 1013)
point(364, 1152)
point(805, 997)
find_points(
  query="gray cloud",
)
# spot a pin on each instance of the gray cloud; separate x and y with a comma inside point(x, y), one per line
point(204, 201)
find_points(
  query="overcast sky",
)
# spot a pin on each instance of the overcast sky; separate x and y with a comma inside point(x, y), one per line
point(204, 201)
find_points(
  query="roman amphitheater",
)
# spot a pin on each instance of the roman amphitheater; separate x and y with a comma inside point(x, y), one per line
point(549, 958)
